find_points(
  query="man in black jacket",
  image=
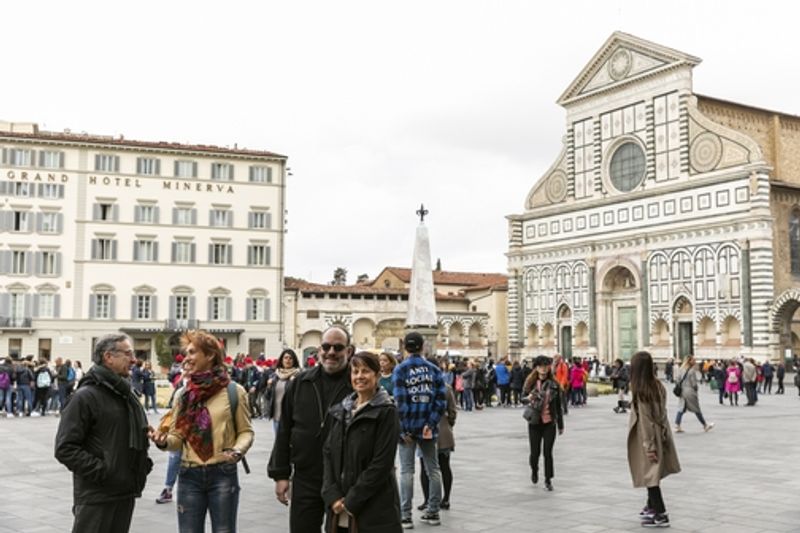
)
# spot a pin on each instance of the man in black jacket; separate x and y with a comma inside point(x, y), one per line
point(102, 440)
point(303, 428)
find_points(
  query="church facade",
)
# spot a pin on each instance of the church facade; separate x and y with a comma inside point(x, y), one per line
point(670, 221)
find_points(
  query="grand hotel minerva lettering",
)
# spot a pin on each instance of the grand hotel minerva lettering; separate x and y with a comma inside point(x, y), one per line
point(171, 185)
point(49, 177)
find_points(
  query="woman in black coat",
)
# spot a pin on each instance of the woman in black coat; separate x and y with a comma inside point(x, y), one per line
point(359, 486)
point(546, 418)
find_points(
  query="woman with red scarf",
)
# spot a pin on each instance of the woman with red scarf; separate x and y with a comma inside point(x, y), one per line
point(211, 440)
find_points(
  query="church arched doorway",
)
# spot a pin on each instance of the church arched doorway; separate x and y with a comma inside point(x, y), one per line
point(619, 304)
point(786, 322)
point(683, 327)
point(565, 332)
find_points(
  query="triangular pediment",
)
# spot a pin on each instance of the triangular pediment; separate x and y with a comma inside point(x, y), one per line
point(621, 60)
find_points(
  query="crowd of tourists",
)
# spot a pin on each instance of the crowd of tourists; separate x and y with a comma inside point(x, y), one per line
point(341, 423)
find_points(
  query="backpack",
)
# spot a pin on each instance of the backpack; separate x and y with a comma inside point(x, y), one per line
point(70, 374)
point(732, 378)
point(5, 381)
point(43, 380)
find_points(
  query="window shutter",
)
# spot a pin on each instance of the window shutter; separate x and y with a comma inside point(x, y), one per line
point(57, 300)
point(192, 307)
point(194, 169)
point(137, 213)
point(29, 222)
point(35, 313)
point(96, 212)
point(114, 250)
point(250, 174)
point(60, 159)
point(228, 308)
point(193, 255)
point(248, 308)
point(268, 223)
point(211, 218)
point(97, 161)
point(174, 252)
point(250, 219)
point(115, 212)
point(28, 302)
point(229, 254)
point(176, 169)
point(155, 252)
point(158, 167)
point(250, 255)
point(116, 166)
point(268, 255)
point(210, 308)
point(139, 165)
point(40, 190)
point(156, 215)
point(210, 254)
point(41, 158)
point(92, 305)
point(267, 309)
point(230, 219)
point(58, 263)
point(134, 315)
point(5, 304)
point(153, 307)
point(135, 250)
point(37, 260)
point(5, 261)
point(172, 307)
point(269, 174)
point(230, 172)
point(5, 156)
point(112, 306)
point(39, 217)
point(3, 187)
point(60, 222)
point(174, 216)
point(94, 249)
point(29, 263)
point(194, 217)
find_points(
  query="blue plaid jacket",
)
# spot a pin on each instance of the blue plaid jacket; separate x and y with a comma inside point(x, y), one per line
point(420, 395)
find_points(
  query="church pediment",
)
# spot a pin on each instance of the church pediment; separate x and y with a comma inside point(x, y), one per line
point(621, 60)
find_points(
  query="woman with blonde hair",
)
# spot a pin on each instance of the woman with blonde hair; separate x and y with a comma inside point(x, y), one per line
point(651, 451)
point(212, 434)
point(388, 362)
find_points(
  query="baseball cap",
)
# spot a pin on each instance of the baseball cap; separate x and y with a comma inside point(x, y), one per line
point(413, 342)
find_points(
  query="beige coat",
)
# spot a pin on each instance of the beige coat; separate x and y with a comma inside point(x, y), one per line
point(648, 430)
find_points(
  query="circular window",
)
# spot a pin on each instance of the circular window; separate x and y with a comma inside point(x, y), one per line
point(627, 167)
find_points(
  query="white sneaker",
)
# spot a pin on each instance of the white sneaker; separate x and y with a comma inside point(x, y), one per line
point(35, 414)
point(678, 429)
point(709, 427)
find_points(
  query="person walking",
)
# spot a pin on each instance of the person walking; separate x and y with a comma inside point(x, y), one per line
point(768, 371)
point(517, 381)
point(43, 378)
point(576, 381)
point(544, 394)
point(420, 394)
point(468, 382)
point(651, 451)
point(733, 382)
point(211, 427)
point(288, 369)
point(102, 440)
point(149, 387)
point(780, 373)
point(296, 463)
point(689, 399)
point(503, 377)
point(24, 380)
point(749, 376)
point(720, 375)
point(619, 380)
point(359, 487)
point(561, 373)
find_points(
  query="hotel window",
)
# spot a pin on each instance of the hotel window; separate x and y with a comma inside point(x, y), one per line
point(183, 252)
point(51, 191)
point(20, 262)
point(17, 157)
point(102, 305)
point(48, 222)
point(19, 308)
point(48, 263)
point(21, 221)
point(143, 307)
point(184, 216)
point(221, 171)
point(106, 212)
point(146, 214)
point(220, 218)
point(148, 166)
point(258, 255)
point(46, 305)
point(104, 249)
point(22, 189)
point(219, 254)
point(106, 163)
point(219, 308)
point(145, 250)
point(181, 307)
point(258, 308)
point(261, 174)
point(185, 169)
point(259, 220)
point(51, 159)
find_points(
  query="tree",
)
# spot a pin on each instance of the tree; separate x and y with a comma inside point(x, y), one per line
point(163, 351)
point(339, 276)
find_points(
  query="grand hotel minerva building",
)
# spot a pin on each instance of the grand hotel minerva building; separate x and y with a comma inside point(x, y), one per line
point(101, 234)
point(670, 221)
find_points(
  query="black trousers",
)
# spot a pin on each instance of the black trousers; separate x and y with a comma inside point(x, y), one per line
point(537, 434)
point(505, 394)
point(306, 510)
point(103, 517)
point(655, 501)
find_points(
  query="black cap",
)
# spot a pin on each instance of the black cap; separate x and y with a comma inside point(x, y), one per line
point(413, 342)
point(542, 360)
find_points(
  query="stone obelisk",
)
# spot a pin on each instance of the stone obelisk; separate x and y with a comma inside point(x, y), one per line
point(421, 315)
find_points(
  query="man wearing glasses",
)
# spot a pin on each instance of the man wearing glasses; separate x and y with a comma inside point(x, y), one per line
point(303, 428)
point(102, 440)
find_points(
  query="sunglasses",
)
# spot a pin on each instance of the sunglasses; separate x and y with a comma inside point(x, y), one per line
point(336, 347)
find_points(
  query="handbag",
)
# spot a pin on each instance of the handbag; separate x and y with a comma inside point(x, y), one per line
point(678, 390)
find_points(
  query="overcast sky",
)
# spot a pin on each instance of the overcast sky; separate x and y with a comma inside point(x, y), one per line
point(379, 105)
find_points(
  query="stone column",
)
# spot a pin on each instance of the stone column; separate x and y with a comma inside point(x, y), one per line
point(645, 301)
point(592, 304)
point(747, 306)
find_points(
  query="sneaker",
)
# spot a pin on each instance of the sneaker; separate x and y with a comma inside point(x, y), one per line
point(432, 519)
point(165, 496)
point(709, 426)
point(646, 513)
point(534, 478)
point(678, 429)
point(445, 505)
point(548, 485)
point(657, 520)
point(422, 506)
point(407, 523)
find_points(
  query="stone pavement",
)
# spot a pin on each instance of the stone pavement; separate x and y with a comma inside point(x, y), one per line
point(740, 477)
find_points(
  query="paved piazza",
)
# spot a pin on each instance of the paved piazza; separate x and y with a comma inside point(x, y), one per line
point(738, 478)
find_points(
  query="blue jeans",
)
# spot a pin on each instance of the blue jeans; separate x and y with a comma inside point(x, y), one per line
point(431, 461)
point(213, 489)
point(25, 393)
point(679, 417)
point(5, 399)
point(62, 395)
point(469, 399)
point(173, 465)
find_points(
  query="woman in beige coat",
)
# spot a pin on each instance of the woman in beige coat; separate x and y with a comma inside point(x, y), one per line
point(651, 451)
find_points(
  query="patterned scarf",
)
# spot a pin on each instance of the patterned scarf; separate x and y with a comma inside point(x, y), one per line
point(194, 420)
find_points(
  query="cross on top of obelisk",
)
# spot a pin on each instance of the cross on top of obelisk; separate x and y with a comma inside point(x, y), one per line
point(422, 212)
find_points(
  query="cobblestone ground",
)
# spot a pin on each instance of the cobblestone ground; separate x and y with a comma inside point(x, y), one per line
point(740, 477)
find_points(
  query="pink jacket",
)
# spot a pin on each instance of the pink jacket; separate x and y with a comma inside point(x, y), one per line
point(576, 377)
point(735, 386)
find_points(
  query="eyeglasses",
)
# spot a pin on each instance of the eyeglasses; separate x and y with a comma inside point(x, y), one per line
point(336, 347)
point(128, 353)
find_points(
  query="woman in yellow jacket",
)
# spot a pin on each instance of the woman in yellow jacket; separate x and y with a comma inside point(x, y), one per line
point(213, 438)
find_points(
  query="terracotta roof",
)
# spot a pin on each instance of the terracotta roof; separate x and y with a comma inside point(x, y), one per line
point(306, 286)
point(122, 142)
point(443, 277)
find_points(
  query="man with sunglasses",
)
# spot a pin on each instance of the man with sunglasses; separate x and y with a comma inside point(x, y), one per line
point(102, 440)
point(296, 460)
